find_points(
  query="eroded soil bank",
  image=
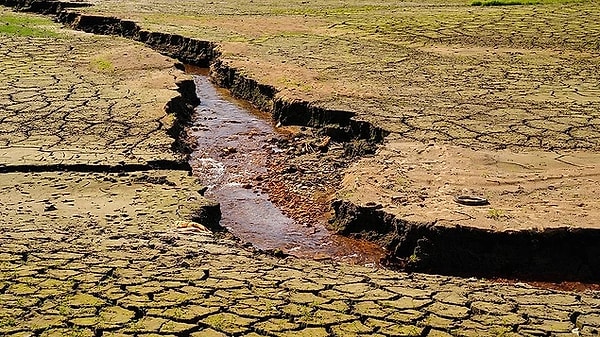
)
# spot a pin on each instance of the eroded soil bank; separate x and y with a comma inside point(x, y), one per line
point(540, 220)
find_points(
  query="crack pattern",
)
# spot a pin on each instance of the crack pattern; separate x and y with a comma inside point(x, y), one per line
point(120, 275)
point(519, 77)
point(57, 107)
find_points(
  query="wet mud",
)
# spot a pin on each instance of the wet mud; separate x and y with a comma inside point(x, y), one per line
point(235, 148)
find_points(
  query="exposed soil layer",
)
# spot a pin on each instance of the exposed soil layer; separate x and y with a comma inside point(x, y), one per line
point(339, 125)
point(183, 106)
point(540, 216)
point(421, 244)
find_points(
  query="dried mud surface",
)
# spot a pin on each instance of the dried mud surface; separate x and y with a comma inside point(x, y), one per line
point(130, 262)
point(134, 276)
point(514, 76)
point(66, 103)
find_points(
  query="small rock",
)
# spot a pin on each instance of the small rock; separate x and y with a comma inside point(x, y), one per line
point(373, 205)
point(50, 208)
point(229, 150)
point(290, 169)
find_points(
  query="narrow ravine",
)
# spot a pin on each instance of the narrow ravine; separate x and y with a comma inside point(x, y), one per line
point(234, 144)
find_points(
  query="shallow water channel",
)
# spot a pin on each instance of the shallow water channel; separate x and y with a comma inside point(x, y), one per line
point(234, 143)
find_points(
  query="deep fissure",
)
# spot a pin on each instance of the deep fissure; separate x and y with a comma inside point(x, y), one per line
point(98, 168)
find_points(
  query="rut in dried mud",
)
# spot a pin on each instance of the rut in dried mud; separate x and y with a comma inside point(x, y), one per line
point(234, 146)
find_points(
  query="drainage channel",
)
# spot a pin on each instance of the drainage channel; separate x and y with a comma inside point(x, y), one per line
point(234, 145)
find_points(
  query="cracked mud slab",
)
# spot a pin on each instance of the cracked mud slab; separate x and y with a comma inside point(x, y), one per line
point(80, 99)
point(76, 101)
point(115, 272)
point(529, 190)
point(495, 77)
point(540, 223)
point(144, 200)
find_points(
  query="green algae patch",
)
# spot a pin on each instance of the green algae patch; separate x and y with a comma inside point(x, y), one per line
point(27, 26)
point(102, 65)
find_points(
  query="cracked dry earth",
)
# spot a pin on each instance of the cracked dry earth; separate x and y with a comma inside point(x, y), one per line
point(116, 278)
point(500, 101)
point(446, 72)
point(64, 102)
point(115, 254)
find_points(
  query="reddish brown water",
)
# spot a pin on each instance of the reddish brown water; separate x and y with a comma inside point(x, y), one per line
point(233, 147)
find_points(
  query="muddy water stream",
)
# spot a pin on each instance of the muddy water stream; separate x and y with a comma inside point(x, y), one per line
point(234, 144)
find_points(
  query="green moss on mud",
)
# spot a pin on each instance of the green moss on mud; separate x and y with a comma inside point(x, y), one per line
point(102, 65)
point(27, 26)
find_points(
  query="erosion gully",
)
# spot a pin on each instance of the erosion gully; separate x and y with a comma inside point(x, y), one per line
point(236, 146)
point(235, 143)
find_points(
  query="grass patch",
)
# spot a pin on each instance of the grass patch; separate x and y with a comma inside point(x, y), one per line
point(496, 214)
point(102, 65)
point(26, 26)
